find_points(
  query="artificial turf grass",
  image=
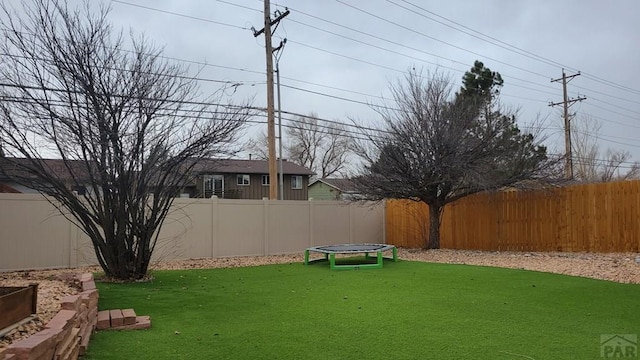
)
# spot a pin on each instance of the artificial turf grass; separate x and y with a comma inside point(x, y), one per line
point(407, 310)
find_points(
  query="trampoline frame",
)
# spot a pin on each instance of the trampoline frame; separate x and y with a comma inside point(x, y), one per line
point(330, 255)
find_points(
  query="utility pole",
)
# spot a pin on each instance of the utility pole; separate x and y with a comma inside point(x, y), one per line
point(280, 168)
point(271, 127)
point(566, 102)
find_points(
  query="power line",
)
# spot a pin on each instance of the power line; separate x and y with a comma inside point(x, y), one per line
point(395, 43)
point(233, 83)
point(605, 94)
point(181, 15)
point(381, 47)
point(315, 84)
point(611, 83)
point(616, 106)
point(244, 7)
point(346, 56)
point(615, 122)
point(338, 97)
point(604, 137)
point(360, 60)
point(527, 53)
point(398, 53)
point(302, 81)
point(494, 41)
point(292, 117)
point(511, 47)
point(612, 111)
point(438, 40)
point(377, 38)
point(405, 55)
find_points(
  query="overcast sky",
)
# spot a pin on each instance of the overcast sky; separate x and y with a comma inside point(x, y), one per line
point(342, 54)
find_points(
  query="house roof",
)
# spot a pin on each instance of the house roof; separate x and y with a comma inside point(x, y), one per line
point(10, 168)
point(235, 166)
point(13, 167)
point(341, 184)
point(4, 188)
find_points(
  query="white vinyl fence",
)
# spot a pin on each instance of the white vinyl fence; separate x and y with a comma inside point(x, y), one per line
point(33, 235)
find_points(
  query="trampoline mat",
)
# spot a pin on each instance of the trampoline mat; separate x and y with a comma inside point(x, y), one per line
point(351, 248)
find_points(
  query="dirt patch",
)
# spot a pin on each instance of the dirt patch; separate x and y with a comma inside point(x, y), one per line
point(56, 284)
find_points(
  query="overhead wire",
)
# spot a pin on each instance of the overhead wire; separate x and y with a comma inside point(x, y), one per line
point(494, 41)
point(375, 64)
point(395, 43)
point(302, 81)
point(181, 15)
point(497, 42)
point(292, 118)
point(379, 47)
point(439, 40)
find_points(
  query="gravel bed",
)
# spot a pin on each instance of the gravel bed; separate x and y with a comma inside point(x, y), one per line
point(55, 284)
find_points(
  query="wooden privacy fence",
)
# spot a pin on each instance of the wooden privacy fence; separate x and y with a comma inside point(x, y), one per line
point(593, 218)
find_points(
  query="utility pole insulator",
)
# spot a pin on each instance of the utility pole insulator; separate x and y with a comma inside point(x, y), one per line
point(567, 102)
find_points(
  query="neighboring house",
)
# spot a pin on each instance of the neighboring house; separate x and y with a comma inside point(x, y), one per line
point(246, 179)
point(9, 169)
point(333, 189)
point(235, 179)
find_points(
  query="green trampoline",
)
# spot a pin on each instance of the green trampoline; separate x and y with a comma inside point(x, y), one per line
point(330, 251)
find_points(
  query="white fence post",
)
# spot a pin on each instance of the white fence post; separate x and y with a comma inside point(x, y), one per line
point(265, 226)
point(215, 208)
point(311, 224)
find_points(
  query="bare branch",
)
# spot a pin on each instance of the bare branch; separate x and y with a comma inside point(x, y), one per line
point(257, 147)
point(324, 150)
point(590, 164)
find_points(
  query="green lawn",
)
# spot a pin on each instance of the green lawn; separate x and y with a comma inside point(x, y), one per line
point(408, 310)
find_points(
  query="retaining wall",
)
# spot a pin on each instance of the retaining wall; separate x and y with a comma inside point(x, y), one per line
point(68, 333)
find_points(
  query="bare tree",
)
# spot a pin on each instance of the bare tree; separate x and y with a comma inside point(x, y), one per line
point(325, 149)
point(257, 147)
point(590, 164)
point(437, 147)
point(322, 148)
point(124, 125)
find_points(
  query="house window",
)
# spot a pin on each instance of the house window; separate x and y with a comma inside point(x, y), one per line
point(265, 180)
point(296, 182)
point(213, 185)
point(243, 179)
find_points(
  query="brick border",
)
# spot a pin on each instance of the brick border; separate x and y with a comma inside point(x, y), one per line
point(67, 334)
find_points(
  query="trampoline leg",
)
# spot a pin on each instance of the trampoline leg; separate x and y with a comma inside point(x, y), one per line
point(366, 256)
point(332, 261)
point(306, 257)
point(395, 254)
point(379, 259)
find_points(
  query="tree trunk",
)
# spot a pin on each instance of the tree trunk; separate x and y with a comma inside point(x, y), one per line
point(125, 261)
point(435, 210)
